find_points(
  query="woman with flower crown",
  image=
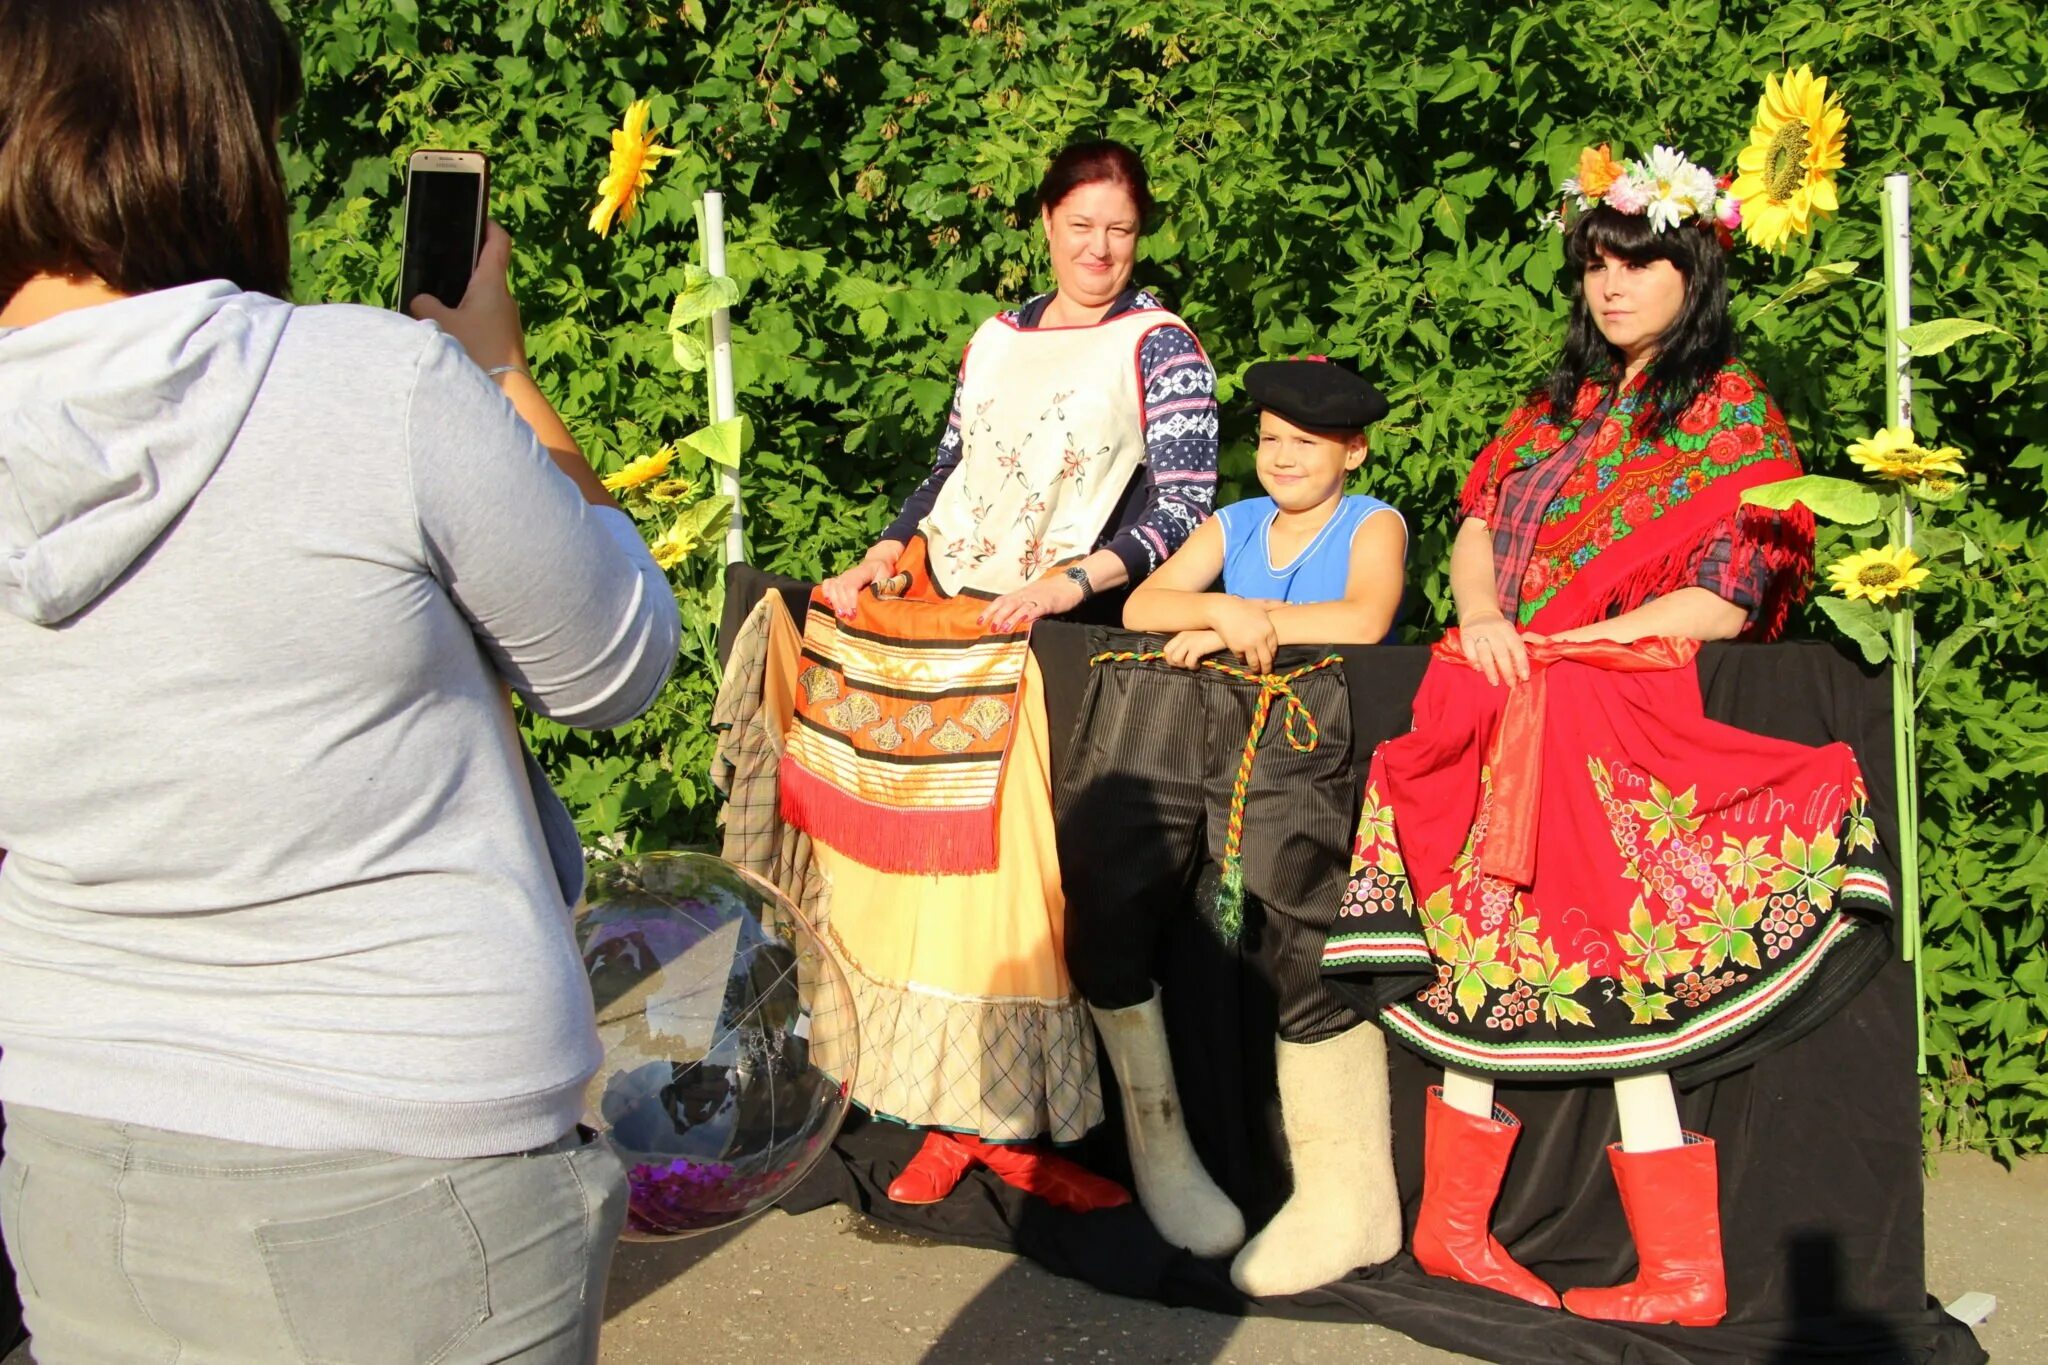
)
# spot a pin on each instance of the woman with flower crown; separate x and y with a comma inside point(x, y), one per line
point(1565, 870)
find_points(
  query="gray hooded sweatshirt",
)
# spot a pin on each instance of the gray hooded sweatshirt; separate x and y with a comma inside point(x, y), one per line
point(279, 869)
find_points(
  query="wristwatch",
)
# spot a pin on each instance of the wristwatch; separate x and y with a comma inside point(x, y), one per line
point(1078, 576)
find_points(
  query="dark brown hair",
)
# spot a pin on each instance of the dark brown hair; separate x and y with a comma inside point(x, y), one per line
point(1091, 163)
point(138, 142)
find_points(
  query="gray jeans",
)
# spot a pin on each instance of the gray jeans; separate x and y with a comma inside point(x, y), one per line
point(132, 1244)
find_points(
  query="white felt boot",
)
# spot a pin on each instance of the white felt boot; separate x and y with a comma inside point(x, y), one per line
point(1345, 1211)
point(1176, 1192)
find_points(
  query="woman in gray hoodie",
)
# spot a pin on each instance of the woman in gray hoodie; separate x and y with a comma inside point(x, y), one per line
point(294, 1025)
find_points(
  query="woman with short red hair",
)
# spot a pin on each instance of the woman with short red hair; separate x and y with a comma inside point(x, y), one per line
point(1080, 452)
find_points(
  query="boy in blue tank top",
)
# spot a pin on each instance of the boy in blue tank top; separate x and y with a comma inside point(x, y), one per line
point(1161, 815)
point(1307, 563)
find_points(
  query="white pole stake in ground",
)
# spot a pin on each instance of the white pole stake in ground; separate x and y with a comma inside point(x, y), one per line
point(723, 405)
point(1898, 395)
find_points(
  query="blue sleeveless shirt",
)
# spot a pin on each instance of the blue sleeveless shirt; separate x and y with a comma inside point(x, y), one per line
point(1319, 573)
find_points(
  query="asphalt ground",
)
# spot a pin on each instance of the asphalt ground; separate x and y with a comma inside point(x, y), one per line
point(830, 1287)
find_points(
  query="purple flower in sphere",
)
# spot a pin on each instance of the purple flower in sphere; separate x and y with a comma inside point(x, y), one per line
point(691, 1196)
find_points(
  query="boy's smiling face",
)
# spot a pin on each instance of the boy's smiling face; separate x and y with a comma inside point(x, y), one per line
point(1301, 468)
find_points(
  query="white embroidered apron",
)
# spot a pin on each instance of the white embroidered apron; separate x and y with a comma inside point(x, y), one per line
point(1052, 427)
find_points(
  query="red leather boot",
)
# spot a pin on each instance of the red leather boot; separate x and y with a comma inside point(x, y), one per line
point(1464, 1158)
point(1673, 1202)
point(934, 1171)
point(1052, 1178)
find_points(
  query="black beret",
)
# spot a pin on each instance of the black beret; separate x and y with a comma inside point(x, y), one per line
point(1317, 394)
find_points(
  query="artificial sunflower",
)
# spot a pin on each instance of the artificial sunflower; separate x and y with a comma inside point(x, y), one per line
point(672, 547)
point(1878, 574)
point(683, 538)
point(1788, 168)
point(627, 175)
point(1892, 453)
point(1937, 488)
point(646, 469)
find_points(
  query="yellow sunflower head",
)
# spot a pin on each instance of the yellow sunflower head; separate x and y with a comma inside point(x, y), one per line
point(1892, 453)
point(672, 547)
point(684, 537)
point(1787, 179)
point(1878, 574)
point(628, 173)
point(643, 470)
point(1937, 488)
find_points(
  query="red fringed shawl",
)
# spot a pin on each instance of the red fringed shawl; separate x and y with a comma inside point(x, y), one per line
point(1633, 520)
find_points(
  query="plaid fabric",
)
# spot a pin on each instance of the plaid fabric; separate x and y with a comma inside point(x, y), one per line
point(1514, 512)
point(745, 739)
point(1008, 1070)
point(744, 768)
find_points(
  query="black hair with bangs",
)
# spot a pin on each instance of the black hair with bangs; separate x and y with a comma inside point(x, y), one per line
point(1699, 341)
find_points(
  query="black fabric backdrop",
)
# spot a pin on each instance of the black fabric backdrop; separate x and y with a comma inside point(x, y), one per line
point(1819, 1141)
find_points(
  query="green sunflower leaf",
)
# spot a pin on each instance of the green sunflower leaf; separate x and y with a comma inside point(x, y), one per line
point(1838, 500)
point(1935, 336)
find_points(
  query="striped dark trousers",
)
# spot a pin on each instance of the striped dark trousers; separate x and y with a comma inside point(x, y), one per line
point(1144, 810)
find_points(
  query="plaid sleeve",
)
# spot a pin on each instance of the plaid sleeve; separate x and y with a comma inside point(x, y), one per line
point(1714, 571)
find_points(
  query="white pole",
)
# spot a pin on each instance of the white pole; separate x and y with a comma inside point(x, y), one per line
point(1898, 289)
point(1898, 293)
point(723, 405)
point(1898, 395)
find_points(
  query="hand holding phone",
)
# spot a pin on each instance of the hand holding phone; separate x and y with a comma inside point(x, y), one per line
point(446, 194)
point(486, 323)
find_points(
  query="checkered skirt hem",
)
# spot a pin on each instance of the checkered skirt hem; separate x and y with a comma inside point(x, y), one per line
point(1005, 1069)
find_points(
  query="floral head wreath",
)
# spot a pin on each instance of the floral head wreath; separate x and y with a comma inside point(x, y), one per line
point(1665, 186)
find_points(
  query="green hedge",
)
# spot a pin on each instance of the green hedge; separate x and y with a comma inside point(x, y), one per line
point(1350, 176)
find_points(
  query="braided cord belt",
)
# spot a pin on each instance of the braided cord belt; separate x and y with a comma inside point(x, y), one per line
point(1298, 726)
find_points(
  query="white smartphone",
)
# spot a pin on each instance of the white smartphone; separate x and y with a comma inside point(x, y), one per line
point(446, 203)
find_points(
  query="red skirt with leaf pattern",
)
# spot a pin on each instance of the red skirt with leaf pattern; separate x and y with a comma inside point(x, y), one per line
point(1583, 875)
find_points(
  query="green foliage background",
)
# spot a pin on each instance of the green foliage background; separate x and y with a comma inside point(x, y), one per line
point(1361, 177)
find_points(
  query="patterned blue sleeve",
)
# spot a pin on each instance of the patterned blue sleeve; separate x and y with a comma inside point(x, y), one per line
point(1180, 450)
point(919, 504)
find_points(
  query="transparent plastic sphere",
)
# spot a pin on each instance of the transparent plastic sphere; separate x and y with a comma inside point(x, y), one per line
point(729, 1046)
